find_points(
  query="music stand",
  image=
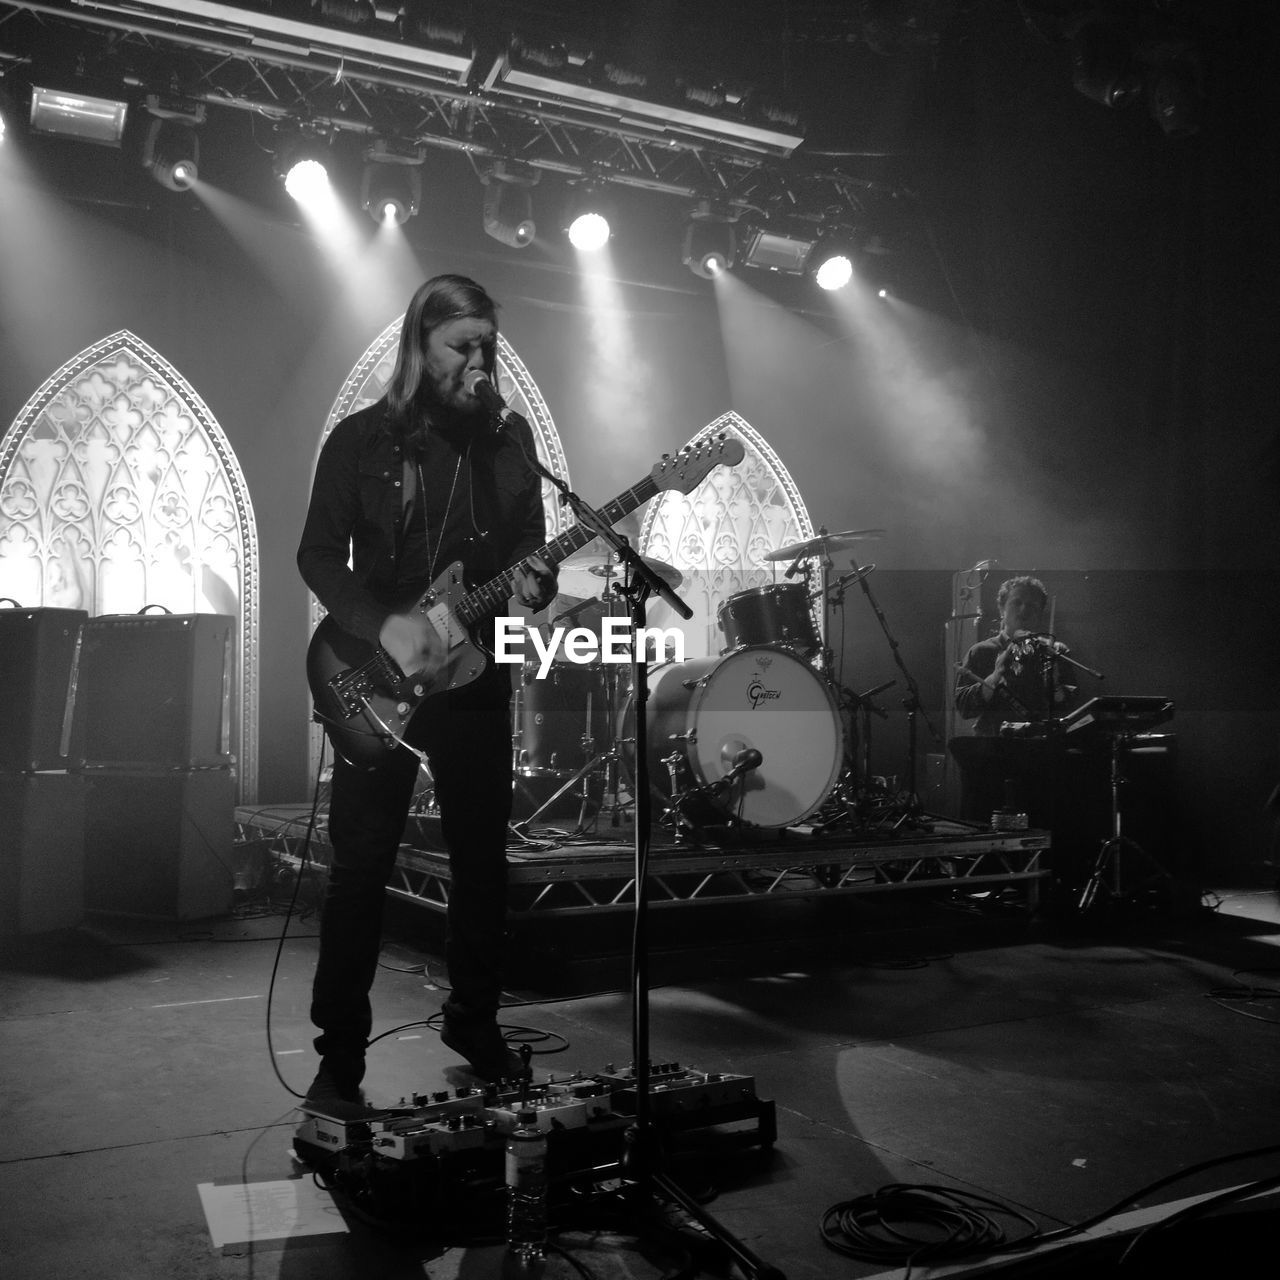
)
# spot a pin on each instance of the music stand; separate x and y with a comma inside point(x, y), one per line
point(1119, 719)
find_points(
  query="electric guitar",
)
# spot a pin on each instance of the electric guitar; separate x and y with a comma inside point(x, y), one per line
point(362, 697)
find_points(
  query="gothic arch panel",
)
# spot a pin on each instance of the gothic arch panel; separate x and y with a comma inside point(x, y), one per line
point(118, 490)
point(718, 535)
point(368, 381)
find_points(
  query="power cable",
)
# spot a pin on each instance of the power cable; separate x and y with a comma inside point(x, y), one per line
point(297, 886)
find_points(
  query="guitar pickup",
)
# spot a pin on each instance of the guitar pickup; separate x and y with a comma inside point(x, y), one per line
point(447, 626)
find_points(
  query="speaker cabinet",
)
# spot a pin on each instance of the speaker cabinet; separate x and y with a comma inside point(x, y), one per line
point(41, 851)
point(154, 691)
point(39, 649)
point(158, 845)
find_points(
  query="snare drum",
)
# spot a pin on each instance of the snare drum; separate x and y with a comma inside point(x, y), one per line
point(553, 715)
point(709, 710)
point(776, 614)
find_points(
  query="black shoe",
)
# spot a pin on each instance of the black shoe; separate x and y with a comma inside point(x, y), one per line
point(479, 1041)
point(336, 1093)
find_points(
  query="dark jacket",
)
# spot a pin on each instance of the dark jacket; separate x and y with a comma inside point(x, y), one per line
point(1022, 697)
point(356, 506)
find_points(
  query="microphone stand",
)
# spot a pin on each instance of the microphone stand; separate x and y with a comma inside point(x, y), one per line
point(641, 1163)
point(914, 811)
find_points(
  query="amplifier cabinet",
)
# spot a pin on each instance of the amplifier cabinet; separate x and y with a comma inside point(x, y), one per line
point(39, 650)
point(41, 851)
point(154, 690)
point(158, 845)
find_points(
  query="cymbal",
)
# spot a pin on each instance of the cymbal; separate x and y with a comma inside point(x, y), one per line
point(600, 561)
point(825, 543)
point(597, 551)
point(667, 572)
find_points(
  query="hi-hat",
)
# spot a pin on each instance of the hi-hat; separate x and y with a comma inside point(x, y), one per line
point(825, 544)
point(600, 563)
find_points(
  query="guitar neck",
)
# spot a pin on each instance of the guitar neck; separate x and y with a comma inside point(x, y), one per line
point(491, 597)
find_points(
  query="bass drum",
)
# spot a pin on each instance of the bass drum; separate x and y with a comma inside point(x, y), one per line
point(709, 710)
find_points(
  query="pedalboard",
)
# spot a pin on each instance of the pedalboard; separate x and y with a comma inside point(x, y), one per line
point(436, 1155)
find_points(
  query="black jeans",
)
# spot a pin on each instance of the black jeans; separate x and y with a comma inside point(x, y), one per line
point(467, 738)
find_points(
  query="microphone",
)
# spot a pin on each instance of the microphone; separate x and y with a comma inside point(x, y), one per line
point(478, 384)
point(746, 760)
point(795, 568)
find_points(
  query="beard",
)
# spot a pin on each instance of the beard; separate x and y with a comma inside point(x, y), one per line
point(443, 415)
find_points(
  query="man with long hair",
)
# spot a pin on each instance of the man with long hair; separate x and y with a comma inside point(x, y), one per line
point(404, 488)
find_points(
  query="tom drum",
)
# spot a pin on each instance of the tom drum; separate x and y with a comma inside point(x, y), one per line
point(778, 614)
point(555, 713)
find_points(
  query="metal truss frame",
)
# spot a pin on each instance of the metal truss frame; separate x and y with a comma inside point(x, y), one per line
point(324, 87)
point(576, 881)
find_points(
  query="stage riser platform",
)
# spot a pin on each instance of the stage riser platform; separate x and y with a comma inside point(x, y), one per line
point(576, 878)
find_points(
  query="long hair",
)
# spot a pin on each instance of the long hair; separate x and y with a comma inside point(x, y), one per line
point(437, 301)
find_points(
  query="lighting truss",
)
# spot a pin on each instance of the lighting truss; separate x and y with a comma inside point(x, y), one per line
point(528, 78)
point(346, 81)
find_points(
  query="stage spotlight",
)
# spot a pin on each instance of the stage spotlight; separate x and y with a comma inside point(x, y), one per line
point(587, 220)
point(171, 149)
point(391, 188)
point(508, 205)
point(589, 232)
point(834, 271)
point(302, 162)
point(832, 262)
point(78, 115)
point(439, 39)
point(710, 241)
point(776, 251)
point(345, 13)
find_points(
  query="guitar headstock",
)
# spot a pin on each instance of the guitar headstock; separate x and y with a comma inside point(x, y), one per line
point(695, 462)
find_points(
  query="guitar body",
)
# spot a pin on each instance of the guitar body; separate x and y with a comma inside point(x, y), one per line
point(365, 701)
point(361, 696)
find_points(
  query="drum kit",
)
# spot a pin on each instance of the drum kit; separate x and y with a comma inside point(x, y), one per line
point(758, 737)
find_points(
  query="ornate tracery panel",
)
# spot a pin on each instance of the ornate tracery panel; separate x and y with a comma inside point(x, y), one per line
point(718, 535)
point(118, 490)
point(368, 381)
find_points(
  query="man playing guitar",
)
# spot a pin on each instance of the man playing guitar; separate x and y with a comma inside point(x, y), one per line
point(416, 482)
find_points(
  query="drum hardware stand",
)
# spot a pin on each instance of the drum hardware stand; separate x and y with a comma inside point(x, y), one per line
point(674, 815)
point(640, 1167)
point(608, 760)
point(912, 811)
point(852, 792)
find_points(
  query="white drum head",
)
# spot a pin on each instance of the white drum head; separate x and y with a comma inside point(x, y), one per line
point(767, 699)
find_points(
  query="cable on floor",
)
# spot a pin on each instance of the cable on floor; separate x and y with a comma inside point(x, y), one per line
point(902, 1224)
point(1223, 996)
point(1194, 1212)
point(284, 929)
point(1142, 1194)
point(512, 1033)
